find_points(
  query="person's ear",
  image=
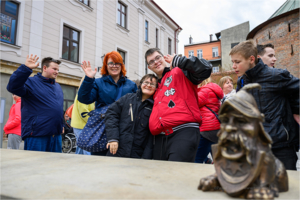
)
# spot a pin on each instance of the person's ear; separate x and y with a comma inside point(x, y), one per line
point(258, 56)
point(44, 67)
point(148, 67)
point(252, 59)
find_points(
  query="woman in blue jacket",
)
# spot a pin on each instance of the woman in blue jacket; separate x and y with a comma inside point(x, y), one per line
point(104, 91)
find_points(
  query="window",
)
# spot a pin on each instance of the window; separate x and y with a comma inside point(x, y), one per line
point(70, 49)
point(215, 69)
point(156, 37)
point(191, 53)
point(215, 52)
point(9, 20)
point(234, 44)
point(146, 31)
point(123, 54)
point(199, 53)
point(121, 14)
point(69, 95)
point(169, 46)
point(86, 2)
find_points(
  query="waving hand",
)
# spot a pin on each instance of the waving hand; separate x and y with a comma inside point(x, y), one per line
point(31, 61)
point(88, 69)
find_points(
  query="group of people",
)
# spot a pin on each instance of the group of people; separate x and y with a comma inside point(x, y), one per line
point(172, 115)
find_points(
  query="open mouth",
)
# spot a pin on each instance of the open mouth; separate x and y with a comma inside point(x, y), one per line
point(232, 151)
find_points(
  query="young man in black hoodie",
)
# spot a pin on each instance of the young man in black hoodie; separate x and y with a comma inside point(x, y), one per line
point(278, 99)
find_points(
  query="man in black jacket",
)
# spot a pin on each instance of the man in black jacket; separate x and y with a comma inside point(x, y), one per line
point(278, 100)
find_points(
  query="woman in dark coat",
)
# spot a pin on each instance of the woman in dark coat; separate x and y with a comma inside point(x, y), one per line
point(127, 122)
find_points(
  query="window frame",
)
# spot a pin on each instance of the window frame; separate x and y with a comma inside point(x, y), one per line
point(191, 51)
point(146, 31)
point(82, 1)
point(214, 52)
point(169, 46)
point(124, 58)
point(214, 69)
point(125, 6)
point(156, 37)
point(71, 41)
point(200, 50)
point(11, 15)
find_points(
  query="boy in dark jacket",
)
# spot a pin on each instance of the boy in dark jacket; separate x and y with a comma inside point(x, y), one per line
point(127, 122)
point(278, 99)
point(176, 117)
point(42, 104)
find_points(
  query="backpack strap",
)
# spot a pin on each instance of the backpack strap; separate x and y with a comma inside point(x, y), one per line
point(214, 114)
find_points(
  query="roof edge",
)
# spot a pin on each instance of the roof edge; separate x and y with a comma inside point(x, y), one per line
point(256, 29)
point(153, 2)
point(202, 43)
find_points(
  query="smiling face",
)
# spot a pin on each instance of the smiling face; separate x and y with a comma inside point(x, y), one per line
point(269, 57)
point(51, 71)
point(241, 64)
point(114, 69)
point(227, 87)
point(148, 87)
point(156, 63)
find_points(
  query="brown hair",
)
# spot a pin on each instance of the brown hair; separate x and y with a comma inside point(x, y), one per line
point(46, 62)
point(245, 49)
point(223, 80)
point(261, 48)
point(151, 76)
point(151, 51)
point(117, 58)
point(205, 82)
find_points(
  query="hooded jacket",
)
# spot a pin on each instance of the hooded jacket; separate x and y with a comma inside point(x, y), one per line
point(127, 121)
point(278, 100)
point(209, 95)
point(104, 91)
point(42, 103)
point(13, 124)
point(176, 99)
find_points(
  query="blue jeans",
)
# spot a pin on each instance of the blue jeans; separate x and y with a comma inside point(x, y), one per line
point(44, 143)
point(203, 150)
point(77, 133)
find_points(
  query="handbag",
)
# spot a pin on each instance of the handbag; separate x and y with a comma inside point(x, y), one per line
point(93, 135)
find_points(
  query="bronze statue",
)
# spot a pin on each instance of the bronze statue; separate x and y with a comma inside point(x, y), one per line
point(244, 163)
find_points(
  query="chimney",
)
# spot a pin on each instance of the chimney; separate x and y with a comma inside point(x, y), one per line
point(210, 37)
point(191, 39)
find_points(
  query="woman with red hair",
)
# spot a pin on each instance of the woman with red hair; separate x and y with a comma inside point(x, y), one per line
point(104, 91)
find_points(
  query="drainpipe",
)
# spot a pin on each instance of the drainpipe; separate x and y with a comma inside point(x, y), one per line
point(175, 41)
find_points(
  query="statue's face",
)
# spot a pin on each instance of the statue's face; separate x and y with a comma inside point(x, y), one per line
point(237, 135)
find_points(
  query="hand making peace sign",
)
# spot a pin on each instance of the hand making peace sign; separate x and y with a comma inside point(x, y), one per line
point(88, 69)
point(31, 61)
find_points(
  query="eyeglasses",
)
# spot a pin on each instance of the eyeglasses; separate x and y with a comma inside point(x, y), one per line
point(111, 64)
point(148, 83)
point(156, 59)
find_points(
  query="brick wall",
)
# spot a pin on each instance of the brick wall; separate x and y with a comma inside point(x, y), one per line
point(284, 35)
point(217, 76)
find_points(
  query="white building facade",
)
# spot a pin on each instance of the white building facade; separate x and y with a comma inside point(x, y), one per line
point(76, 30)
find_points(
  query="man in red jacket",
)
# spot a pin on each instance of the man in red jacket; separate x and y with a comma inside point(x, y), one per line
point(13, 126)
point(175, 117)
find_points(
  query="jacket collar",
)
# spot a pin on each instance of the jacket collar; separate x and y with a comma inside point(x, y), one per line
point(255, 70)
point(109, 79)
point(139, 96)
point(167, 69)
point(44, 79)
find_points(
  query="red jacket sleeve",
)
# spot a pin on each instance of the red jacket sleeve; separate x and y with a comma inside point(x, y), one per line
point(17, 120)
point(202, 97)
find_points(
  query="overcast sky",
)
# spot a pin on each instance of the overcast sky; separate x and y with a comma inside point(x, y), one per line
point(200, 18)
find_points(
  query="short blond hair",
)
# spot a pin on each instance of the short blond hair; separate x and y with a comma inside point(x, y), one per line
point(223, 80)
point(205, 82)
point(245, 49)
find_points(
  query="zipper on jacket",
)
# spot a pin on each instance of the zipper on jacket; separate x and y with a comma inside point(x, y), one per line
point(131, 114)
point(287, 134)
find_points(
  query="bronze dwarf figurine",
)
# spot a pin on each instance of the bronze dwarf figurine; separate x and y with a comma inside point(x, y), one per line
point(244, 163)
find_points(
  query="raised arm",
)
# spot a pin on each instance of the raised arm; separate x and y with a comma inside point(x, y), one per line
point(195, 69)
point(16, 84)
point(87, 93)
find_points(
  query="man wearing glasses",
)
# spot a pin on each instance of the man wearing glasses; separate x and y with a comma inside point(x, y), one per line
point(175, 117)
point(42, 104)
